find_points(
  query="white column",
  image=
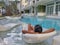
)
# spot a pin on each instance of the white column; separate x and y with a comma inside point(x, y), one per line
point(54, 11)
point(31, 10)
point(18, 6)
point(46, 10)
point(35, 11)
point(24, 11)
point(6, 2)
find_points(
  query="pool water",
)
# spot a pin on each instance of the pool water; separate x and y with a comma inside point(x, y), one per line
point(44, 22)
point(16, 39)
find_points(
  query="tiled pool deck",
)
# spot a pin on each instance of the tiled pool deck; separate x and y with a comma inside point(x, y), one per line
point(16, 39)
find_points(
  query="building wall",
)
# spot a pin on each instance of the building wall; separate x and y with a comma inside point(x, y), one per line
point(53, 8)
point(30, 2)
point(24, 2)
point(18, 6)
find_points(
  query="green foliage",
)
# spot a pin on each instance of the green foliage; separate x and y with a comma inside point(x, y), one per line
point(2, 4)
point(41, 8)
point(14, 5)
point(26, 11)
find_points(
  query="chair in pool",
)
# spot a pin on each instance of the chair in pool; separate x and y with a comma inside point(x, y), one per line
point(37, 38)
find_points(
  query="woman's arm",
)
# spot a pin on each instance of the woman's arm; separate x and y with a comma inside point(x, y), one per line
point(24, 31)
point(30, 28)
point(48, 31)
point(29, 32)
point(32, 32)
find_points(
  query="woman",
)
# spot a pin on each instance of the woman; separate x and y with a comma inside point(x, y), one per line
point(3, 11)
point(36, 30)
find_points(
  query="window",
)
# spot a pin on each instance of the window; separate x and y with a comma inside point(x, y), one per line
point(57, 8)
point(50, 10)
point(26, 1)
point(58, 2)
point(37, 0)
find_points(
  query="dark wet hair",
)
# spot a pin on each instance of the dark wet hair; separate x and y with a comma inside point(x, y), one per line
point(38, 28)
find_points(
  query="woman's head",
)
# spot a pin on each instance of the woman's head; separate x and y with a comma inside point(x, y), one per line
point(38, 28)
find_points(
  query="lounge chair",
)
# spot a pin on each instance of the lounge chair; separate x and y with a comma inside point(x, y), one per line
point(37, 38)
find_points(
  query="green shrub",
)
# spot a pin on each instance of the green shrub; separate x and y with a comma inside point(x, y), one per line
point(41, 8)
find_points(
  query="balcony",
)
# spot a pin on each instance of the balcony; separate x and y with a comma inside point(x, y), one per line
point(36, 3)
point(14, 0)
point(11, 0)
point(43, 2)
point(27, 5)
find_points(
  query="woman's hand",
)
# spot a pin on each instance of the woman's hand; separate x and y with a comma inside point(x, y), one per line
point(48, 31)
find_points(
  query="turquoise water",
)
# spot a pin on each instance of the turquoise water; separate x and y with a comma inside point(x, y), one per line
point(44, 22)
point(15, 39)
